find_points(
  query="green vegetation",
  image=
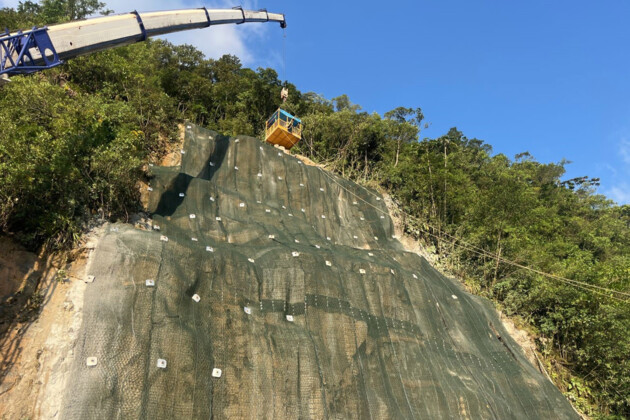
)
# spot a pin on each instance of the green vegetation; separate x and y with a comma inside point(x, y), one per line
point(75, 139)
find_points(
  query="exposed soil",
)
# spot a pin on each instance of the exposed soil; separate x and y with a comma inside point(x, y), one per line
point(173, 156)
point(36, 348)
point(309, 162)
point(16, 264)
point(410, 243)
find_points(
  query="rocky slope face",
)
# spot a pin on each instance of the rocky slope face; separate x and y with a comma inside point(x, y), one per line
point(266, 288)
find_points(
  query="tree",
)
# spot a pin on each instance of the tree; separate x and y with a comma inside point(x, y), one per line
point(405, 126)
point(342, 103)
point(70, 155)
point(48, 12)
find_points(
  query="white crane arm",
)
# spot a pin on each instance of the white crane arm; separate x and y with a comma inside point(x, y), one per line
point(90, 35)
point(22, 52)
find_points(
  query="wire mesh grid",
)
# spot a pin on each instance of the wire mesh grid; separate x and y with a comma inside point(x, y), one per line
point(304, 316)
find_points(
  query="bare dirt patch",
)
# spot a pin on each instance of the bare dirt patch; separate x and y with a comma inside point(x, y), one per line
point(308, 162)
point(16, 264)
point(36, 352)
point(410, 243)
point(143, 188)
point(173, 156)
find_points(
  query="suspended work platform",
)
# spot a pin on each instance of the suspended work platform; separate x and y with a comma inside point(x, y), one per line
point(283, 129)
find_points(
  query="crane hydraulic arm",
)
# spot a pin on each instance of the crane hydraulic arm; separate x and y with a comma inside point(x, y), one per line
point(43, 48)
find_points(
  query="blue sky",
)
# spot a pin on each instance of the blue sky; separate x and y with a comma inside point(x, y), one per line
point(551, 78)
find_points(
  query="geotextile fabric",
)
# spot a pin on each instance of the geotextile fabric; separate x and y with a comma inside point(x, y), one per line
point(288, 280)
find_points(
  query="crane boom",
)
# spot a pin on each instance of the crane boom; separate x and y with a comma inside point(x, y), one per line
point(43, 48)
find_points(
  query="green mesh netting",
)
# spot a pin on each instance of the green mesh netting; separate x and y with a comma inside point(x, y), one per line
point(306, 303)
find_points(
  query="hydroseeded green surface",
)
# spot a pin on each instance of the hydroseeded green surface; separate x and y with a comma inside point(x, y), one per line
point(375, 333)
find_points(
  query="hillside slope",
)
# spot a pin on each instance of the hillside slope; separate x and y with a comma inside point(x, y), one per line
point(306, 303)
